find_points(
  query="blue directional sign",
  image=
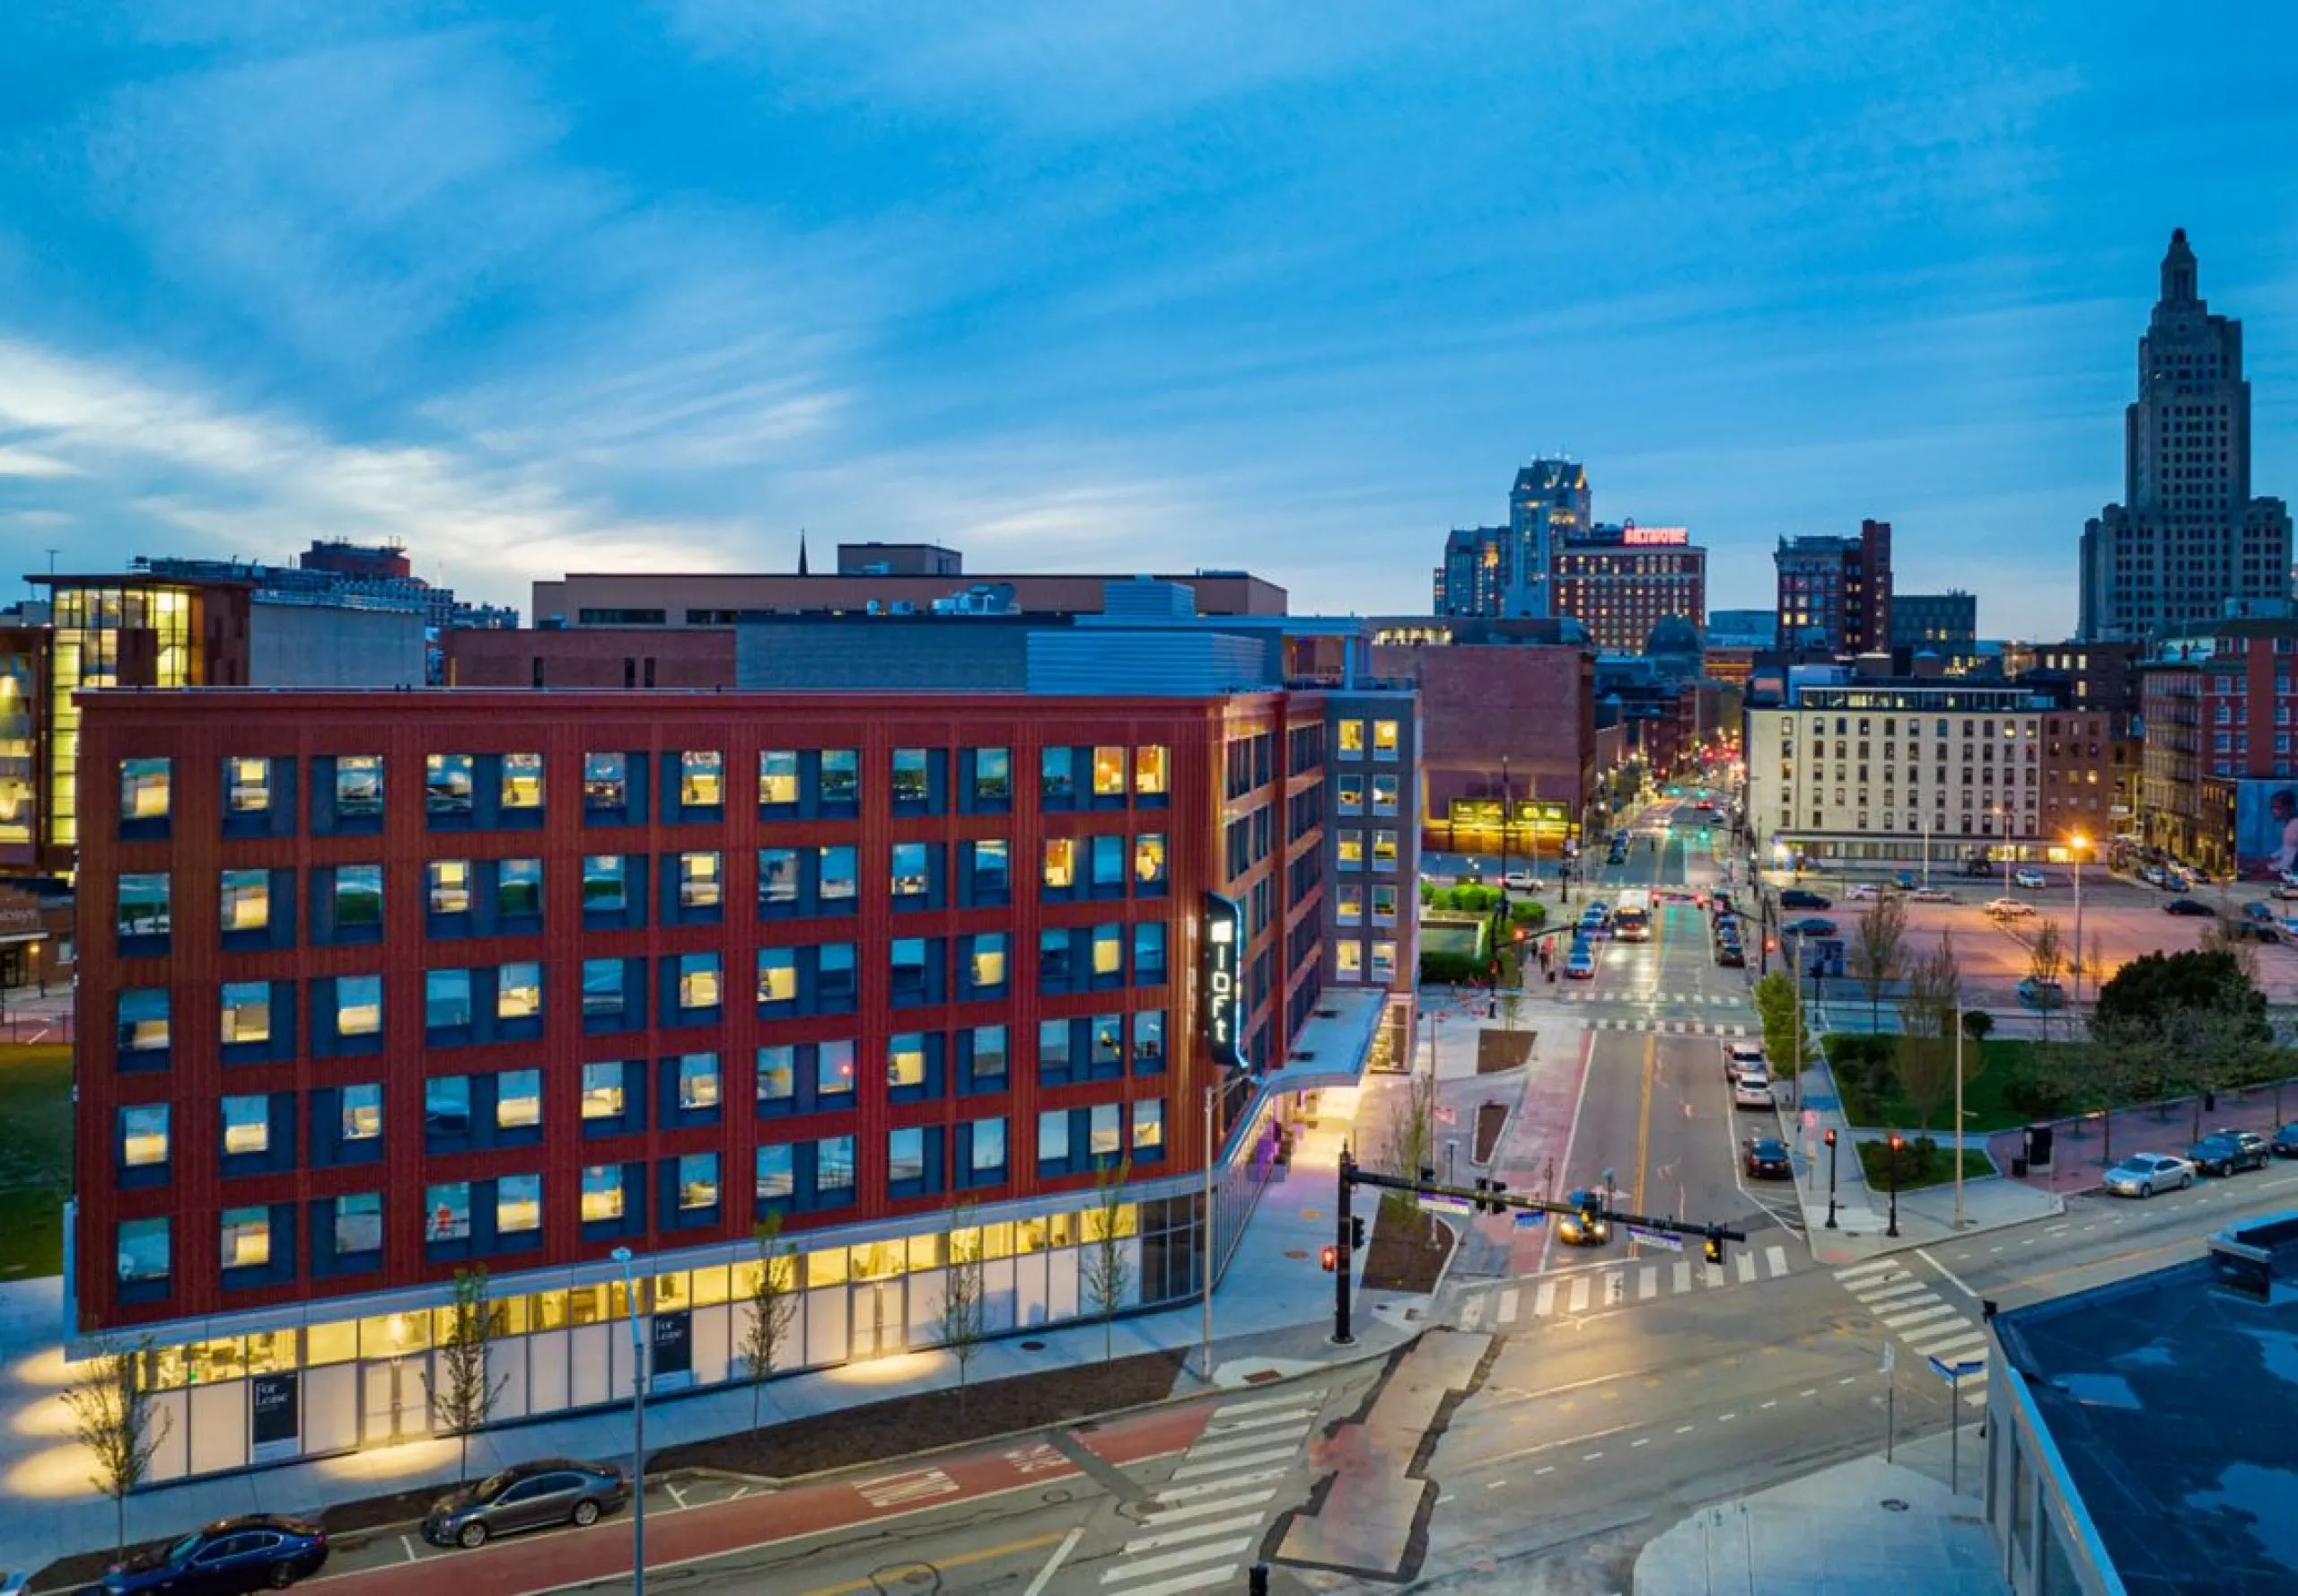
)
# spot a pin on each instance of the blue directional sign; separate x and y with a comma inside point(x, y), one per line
point(1527, 1219)
point(1961, 1371)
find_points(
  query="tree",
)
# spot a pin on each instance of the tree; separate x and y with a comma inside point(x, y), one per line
point(1412, 1133)
point(2124, 1050)
point(1108, 1267)
point(2046, 957)
point(1924, 1065)
point(467, 1393)
point(113, 1415)
point(963, 1319)
point(1776, 1010)
point(1977, 1024)
point(773, 1296)
point(1876, 942)
point(2156, 983)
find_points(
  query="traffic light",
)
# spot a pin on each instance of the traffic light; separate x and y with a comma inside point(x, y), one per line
point(1357, 1232)
point(1713, 1246)
point(1489, 1195)
point(1830, 1138)
point(1330, 1259)
point(1521, 934)
point(1591, 1209)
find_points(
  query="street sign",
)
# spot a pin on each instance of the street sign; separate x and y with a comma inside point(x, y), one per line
point(1529, 1219)
point(1810, 1119)
point(1673, 1244)
point(1445, 1205)
point(1953, 1371)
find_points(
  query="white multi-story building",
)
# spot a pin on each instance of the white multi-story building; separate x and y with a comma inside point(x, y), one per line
point(1859, 769)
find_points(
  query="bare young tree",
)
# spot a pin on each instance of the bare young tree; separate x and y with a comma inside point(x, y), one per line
point(113, 1415)
point(772, 1293)
point(1107, 1265)
point(1412, 1133)
point(963, 1320)
point(2045, 958)
point(468, 1391)
point(1878, 940)
point(1924, 1063)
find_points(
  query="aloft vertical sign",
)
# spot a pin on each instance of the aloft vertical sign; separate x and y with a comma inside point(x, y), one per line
point(1222, 980)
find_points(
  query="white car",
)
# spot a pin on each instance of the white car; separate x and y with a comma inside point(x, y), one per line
point(1751, 1090)
point(1863, 891)
point(1521, 881)
point(1931, 895)
point(2142, 1174)
point(2009, 908)
point(2032, 880)
point(1743, 1058)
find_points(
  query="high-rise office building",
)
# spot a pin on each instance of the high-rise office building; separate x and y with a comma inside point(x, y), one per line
point(1620, 582)
point(1508, 571)
point(1835, 594)
point(2187, 536)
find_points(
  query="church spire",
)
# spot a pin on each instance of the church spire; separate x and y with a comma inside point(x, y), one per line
point(2179, 273)
point(802, 551)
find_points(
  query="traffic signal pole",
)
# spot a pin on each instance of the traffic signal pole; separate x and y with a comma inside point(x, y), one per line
point(1343, 1299)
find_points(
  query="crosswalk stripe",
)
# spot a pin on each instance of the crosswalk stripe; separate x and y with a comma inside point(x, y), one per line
point(1934, 1309)
point(1182, 1584)
point(1192, 1493)
point(1259, 1405)
point(1160, 1517)
point(1207, 1449)
point(1683, 1277)
point(1715, 1274)
point(1472, 1311)
point(1508, 1300)
point(1252, 1460)
point(1169, 1561)
point(1580, 1294)
point(1544, 1299)
point(1746, 1262)
point(1647, 1282)
point(1857, 1272)
point(1262, 1421)
point(1775, 1259)
point(1156, 1543)
point(1952, 1344)
point(1898, 1288)
point(1615, 1288)
point(1974, 1399)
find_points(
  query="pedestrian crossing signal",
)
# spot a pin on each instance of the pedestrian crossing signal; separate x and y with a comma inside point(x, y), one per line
point(1330, 1259)
point(1356, 1233)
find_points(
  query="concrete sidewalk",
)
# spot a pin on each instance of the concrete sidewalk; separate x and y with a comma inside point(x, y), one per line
point(1865, 1527)
point(2082, 1147)
point(1272, 1316)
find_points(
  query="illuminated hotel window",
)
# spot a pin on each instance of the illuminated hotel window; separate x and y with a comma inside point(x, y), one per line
point(1384, 850)
point(522, 784)
point(449, 886)
point(601, 1192)
point(702, 780)
point(987, 964)
point(363, 1111)
point(358, 1005)
point(1352, 739)
point(1109, 772)
point(143, 1020)
point(777, 775)
point(144, 789)
point(1352, 849)
point(518, 990)
point(143, 1135)
point(1149, 858)
point(699, 1080)
point(1349, 961)
point(1384, 795)
point(246, 899)
point(777, 975)
point(1384, 961)
point(247, 1238)
point(248, 790)
point(906, 1060)
point(359, 786)
point(1384, 906)
point(247, 1124)
point(517, 1204)
point(699, 883)
point(247, 1012)
point(1148, 1124)
point(518, 1099)
point(1384, 740)
point(698, 980)
point(447, 783)
point(602, 1091)
point(1108, 950)
point(1351, 794)
point(1348, 903)
point(1060, 863)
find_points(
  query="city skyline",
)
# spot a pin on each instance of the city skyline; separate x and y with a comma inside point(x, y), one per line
point(538, 297)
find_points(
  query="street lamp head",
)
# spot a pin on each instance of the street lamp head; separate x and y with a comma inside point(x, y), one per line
point(621, 1255)
point(1897, 1141)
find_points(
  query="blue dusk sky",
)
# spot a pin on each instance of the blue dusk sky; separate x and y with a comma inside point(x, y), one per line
point(1287, 286)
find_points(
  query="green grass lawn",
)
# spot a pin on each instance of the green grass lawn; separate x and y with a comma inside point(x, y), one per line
point(1989, 1067)
point(1875, 1160)
point(35, 1156)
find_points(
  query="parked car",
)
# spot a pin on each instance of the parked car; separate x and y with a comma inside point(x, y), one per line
point(1931, 895)
point(1573, 1231)
point(2009, 908)
point(1741, 1059)
point(1751, 1089)
point(2188, 905)
point(1863, 892)
point(526, 1496)
point(1904, 880)
point(1580, 965)
point(1802, 898)
point(2142, 1174)
point(2257, 912)
point(2034, 880)
point(2151, 874)
point(254, 1552)
point(2285, 891)
point(1730, 955)
point(2037, 993)
point(2249, 931)
point(1768, 1159)
point(1521, 881)
point(2225, 1152)
point(1809, 926)
point(2285, 1141)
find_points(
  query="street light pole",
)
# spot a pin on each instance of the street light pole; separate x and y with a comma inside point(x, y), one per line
point(621, 1255)
point(1897, 1142)
point(1958, 1110)
point(2079, 843)
point(1831, 1224)
point(1212, 1153)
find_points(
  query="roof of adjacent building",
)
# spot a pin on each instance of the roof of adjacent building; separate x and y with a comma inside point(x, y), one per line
point(2174, 1407)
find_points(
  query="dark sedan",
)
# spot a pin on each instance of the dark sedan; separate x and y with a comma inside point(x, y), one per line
point(2285, 1141)
point(1810, 926)
point(2224, 1152)
point(1803, 897)
point(1768, 1159)
point(259, 1551)
point(2188, 905)
point(526, 1496)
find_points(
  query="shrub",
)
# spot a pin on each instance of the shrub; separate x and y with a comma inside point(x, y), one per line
point(1450, 969)
point(1528, 913)
point(1977, 1024)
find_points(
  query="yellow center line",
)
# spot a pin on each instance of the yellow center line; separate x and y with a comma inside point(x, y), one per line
point(853, 1587)
point(1644, 1130)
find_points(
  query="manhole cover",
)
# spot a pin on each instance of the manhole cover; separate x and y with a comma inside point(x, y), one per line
point(1032, 1346)
point(1893, 1504)
point(1294, 1252)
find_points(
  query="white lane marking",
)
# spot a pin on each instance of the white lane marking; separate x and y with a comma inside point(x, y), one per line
point(1472, 1311)
point(1812, 1392)
point(1243, 1460)
point(1179, 1515)
point(1206, 1449)
point(1579, 1303)
point(1544, 1300)
point(1861, 1271)
point(1956, 1349)
point(1746, 1266)
point(1905, 1288)
point(1543, 1468)
point(1060, 1554)
point(1647, 1282)
point(1953, 1279)
point(1201, 1580)
point(1261, 1422)
point(1155, 1543)
point(1726, 1418)
point(1640, 1441)
point(1508, 1302)
point(1775, 1259)
point(1773, 1404)
point(1210, 1486)
point(1715, 1273)
point(409, 1545)
point(1683, 1277)
point(1900, 1321)
point(1683, 1429)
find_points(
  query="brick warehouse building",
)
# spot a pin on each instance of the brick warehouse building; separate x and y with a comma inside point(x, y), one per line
point(378, 986)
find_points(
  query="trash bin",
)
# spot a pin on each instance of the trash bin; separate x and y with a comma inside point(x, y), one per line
point(2038, 1138)
point(2018, 1167)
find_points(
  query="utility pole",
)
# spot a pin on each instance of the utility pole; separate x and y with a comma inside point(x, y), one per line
point(1344, 1227)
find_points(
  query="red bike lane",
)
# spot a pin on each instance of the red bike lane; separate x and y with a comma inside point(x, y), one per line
point(526, 1565)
